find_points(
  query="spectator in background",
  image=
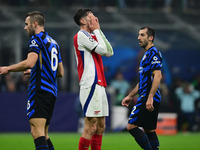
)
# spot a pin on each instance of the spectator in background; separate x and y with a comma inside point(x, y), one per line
point(22, 83)
point(187, 96)
point(197, 115)
point(7, 84)
point(165, 95)
point(121, 87)
point(182, 4)
point(10, 83)
point(196, 82)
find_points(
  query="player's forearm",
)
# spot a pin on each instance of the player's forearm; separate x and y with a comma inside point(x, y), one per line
point(104, 48)
point(155, 84)
point(134, 91)
point(21, 66)
point(60, 71)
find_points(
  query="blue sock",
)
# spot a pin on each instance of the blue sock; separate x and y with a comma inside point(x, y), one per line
point(153, 140)
point(141, 138)
point(41, 143)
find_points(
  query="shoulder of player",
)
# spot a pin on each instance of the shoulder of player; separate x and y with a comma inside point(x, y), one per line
point(84, 34)
point(37, 37)
point(154, 51)
point(34, 41)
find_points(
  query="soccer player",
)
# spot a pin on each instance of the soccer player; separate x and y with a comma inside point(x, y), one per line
point(145, 112)
point(44, 60)
point(90, 44)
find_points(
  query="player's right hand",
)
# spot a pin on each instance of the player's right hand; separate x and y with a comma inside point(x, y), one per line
point(4, 70)
point(94, 23)
point(126, 101)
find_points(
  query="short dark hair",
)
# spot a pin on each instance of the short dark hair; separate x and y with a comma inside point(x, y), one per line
point(80, 14)
point(36, 16)
point(150, 31)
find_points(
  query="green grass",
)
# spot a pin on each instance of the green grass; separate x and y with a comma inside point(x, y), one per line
point(111, 141)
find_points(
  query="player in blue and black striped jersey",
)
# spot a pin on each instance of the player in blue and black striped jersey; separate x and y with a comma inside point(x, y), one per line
point(44, 60)
point(145, 112)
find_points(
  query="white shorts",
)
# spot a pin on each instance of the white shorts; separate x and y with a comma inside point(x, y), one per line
point(94, 101)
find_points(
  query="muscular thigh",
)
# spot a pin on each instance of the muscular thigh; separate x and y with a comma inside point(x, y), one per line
point(41, 105)
point(141, 117)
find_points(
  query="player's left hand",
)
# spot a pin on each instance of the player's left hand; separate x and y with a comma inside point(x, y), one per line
point(27, 73)
point(149, 104)
point(4, 70)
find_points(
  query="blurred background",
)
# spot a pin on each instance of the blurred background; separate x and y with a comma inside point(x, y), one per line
point(177, 27)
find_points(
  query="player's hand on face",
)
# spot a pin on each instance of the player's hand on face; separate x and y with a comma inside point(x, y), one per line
point(126, 101)
point(149, 104)
point(94, 23)
point(4, 70)
point(27, 73)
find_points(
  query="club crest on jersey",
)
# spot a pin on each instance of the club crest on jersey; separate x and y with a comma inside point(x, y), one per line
point(96, 112)
point(33, 43)
point(144, 57)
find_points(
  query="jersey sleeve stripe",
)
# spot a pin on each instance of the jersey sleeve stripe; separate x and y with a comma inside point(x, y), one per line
point(86, 33)
point(80, 57)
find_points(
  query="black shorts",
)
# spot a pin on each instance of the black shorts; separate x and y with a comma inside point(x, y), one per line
point(41, 105)
point(141, 117)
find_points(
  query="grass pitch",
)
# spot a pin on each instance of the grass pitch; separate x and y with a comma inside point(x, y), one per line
point(111, 141)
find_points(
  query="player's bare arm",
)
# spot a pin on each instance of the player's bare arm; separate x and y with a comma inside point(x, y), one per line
point(60, 71)
point(21, 66)
point(126, 101)
point(156, 81)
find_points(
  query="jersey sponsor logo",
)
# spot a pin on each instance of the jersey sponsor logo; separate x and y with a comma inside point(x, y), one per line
point(33, 43)
point(155, 60)
point(96, 112)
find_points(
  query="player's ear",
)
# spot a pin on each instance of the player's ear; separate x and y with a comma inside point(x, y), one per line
point(151, 38)
point(35, 24)
point(83, 21)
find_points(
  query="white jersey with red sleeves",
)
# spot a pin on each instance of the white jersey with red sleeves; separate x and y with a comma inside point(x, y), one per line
point(89, 63)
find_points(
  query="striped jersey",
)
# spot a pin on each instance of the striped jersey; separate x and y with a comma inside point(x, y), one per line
point(152, 60)
point(89, 63)
point(43, 74)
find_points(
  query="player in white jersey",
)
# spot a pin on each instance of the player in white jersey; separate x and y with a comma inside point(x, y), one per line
point(90, 44)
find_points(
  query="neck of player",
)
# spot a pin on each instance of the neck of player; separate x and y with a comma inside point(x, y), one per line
point(148, 46)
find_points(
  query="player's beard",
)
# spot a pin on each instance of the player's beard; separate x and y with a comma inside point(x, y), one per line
point(31, 31)
point(144, 44)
